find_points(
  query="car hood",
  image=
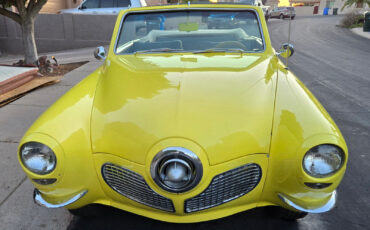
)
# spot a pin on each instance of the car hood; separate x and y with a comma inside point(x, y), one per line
point(224, 103)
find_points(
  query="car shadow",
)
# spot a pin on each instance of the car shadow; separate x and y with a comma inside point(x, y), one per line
point(259, 218)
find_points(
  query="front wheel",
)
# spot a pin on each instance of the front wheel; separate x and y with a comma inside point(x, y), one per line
point(91, 210)
point(281, 16)
point(286, 214)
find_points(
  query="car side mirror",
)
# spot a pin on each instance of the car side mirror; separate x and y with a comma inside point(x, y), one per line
point(286, 50)
point(259, 4)
point(82, 7)
point(99, 53)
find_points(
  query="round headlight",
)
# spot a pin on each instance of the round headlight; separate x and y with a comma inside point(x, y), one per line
point(323, 160)
point(176, 169)
point(38, 158)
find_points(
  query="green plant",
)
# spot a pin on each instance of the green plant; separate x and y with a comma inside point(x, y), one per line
point(356, 25)
point(349, 3)
point(351, 19)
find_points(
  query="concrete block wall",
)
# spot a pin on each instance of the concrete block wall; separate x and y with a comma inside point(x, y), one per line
point(54, 32)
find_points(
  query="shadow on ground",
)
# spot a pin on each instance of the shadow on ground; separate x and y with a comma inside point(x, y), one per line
point(259, 218)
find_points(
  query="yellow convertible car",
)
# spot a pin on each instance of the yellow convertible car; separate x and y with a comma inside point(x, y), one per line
point(191, 117)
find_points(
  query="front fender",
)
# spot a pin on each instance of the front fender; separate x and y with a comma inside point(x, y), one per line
point(65, 127)
point(300, 123)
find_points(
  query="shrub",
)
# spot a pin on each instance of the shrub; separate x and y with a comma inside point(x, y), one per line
point(353, 18)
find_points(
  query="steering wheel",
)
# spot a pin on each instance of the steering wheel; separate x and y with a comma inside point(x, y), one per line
point(231, 44)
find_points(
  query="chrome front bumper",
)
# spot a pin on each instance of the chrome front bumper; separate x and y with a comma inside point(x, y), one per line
point(325, 208)
point(37, 197)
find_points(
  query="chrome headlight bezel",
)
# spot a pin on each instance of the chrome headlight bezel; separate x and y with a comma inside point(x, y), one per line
point(329, 160)
point(179, 155)
point(46, 162)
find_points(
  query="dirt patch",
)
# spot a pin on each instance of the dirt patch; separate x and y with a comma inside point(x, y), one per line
point(43, 78)
point(62, 69)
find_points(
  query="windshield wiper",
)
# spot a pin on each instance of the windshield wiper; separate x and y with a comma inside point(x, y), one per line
point(158, 50)
point(219, 50)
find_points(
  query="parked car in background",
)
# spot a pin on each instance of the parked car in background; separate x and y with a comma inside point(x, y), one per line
point(259, 3)
point(104, 6)
point(187, 120)
point(282, 12)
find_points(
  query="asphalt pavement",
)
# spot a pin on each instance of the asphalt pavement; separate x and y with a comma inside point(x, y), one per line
point(332, 62)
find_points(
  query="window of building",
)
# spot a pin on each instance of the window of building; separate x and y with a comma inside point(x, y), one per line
point(329, 4)
point(107, 4)
point(90, 4)
point(123, 3)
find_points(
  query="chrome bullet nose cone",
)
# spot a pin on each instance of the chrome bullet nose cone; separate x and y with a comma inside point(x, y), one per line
point(176, 169)
point(176, 173)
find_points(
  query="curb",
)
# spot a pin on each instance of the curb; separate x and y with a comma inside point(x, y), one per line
point(359, 31)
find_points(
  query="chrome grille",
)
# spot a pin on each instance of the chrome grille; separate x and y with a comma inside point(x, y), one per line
point(133, 186)
point(226, 187)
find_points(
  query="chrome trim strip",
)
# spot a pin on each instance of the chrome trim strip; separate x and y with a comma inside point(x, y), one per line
point(325, 208)
point(189, 9)
point(37, 197)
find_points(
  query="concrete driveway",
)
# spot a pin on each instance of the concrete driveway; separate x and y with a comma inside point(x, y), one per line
point(331, 61)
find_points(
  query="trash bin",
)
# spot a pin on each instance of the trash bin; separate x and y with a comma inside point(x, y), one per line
point(335, 11)
point(315, 9)
point(326, 11)
point(367, 22)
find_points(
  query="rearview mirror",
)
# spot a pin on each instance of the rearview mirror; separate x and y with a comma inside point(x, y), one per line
point(99, 53)
point(286, 50)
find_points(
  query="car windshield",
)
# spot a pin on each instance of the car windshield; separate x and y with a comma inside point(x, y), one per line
point(248, 2)
point(190, 31)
